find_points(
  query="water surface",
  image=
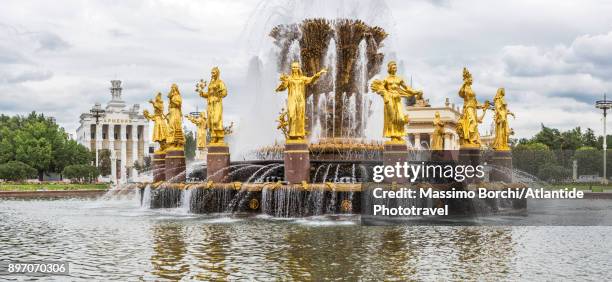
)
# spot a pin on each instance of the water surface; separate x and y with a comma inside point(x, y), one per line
point(116, 239)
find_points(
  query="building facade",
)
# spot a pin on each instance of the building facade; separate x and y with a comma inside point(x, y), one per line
point(122, 130)
point(420, 129)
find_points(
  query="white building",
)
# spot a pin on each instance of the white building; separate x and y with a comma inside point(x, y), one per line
point(122, 130)
point(420, 129)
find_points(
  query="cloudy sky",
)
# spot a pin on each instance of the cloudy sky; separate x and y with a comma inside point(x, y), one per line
point(553, 57)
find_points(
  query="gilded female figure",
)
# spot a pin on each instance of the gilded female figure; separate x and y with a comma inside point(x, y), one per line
point(201, 122)
point(502, 129)
point(176, 138)
point(392, 89)
point(160, 124)
point(214, 97)
point(437, 142)
point(295, 83)
point(467, 126)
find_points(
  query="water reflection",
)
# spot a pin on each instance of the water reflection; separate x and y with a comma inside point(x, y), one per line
point(210, 253)
point(114, 240)
point(169, 252)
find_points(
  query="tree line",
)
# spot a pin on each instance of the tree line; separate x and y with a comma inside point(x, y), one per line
point(549, 154)
point(34, 145)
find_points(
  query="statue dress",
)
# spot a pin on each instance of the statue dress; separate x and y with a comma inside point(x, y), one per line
point(176, 138)
point(437, 142)
point(214, 97)
point(160, 124)
point(295, 84)
point(502, 129)
point(467, 126)
point(202, 123)
point(392, 89)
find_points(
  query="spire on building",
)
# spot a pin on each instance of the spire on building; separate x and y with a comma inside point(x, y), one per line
point(115, 102)
point(116, 89)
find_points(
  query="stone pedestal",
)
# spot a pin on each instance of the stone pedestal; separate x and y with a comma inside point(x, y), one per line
point(217, 163)
point(470, 156)
point(159, 167)
point(297, 162)
point(502, 166)
point(394, 153)
point(443, 155)
point(175, 165)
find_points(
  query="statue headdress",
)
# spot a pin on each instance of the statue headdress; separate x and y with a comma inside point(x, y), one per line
point(466, 74)
point(297, 64)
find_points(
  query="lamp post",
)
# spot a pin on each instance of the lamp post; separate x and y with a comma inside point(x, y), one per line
point(97, 112)
point(604, 105)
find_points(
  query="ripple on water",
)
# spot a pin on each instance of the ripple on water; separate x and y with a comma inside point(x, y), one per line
point(120, 241)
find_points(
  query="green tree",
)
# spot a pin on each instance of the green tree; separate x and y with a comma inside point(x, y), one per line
point(71, 153)
point(190, 145)
point(589, 160)
point(16, 171)
point(553, 173)
point(550, 137)
point(81, 173)
point(143, 166)
point(530, 157)
point(589, 139)
point(104, 162)
point(38, 141)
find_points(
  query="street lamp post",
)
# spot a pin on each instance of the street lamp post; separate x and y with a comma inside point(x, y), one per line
point(604, 105)
point(97, 112)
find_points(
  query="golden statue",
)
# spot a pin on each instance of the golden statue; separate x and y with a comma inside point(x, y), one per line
point(283, 123)
point(502, 129)
point(296, 83)
point(214, 97)
point(201, 122)
point(160, 124)
point(437, 140)
point(392, 89)
point(405, 90)
point(467, 126)
point(176, 138)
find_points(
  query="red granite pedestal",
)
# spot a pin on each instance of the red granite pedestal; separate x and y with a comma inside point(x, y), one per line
point(175, 165)
point(297, 162)
point(159, 167)
point(394, 153)
point(502, 166)
point(470, 156)
point(217, 163)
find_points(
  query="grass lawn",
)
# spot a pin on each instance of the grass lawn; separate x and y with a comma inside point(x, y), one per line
point(582, 186)
point(50, 186)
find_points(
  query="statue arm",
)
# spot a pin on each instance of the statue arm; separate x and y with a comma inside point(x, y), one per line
point(284, 83)
point(177, 101)
point(222, 89)
point(147, 115)
point(191, 119)
point(315, 77)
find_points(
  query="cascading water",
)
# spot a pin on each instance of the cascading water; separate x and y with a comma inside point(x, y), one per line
point(362, 76)
point(330, 61)
point(146, 197)
point(186, 200)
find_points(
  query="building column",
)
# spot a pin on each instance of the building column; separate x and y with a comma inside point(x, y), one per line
point(447, 141)
point(417, 140)
point(123, 153)
point(134, 149)
point(113, 153)
point(430, 141)
point(145, 140)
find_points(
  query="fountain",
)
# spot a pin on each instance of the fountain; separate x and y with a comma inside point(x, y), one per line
point(324, 165)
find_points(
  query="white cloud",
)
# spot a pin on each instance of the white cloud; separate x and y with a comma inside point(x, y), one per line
point(552, 57)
